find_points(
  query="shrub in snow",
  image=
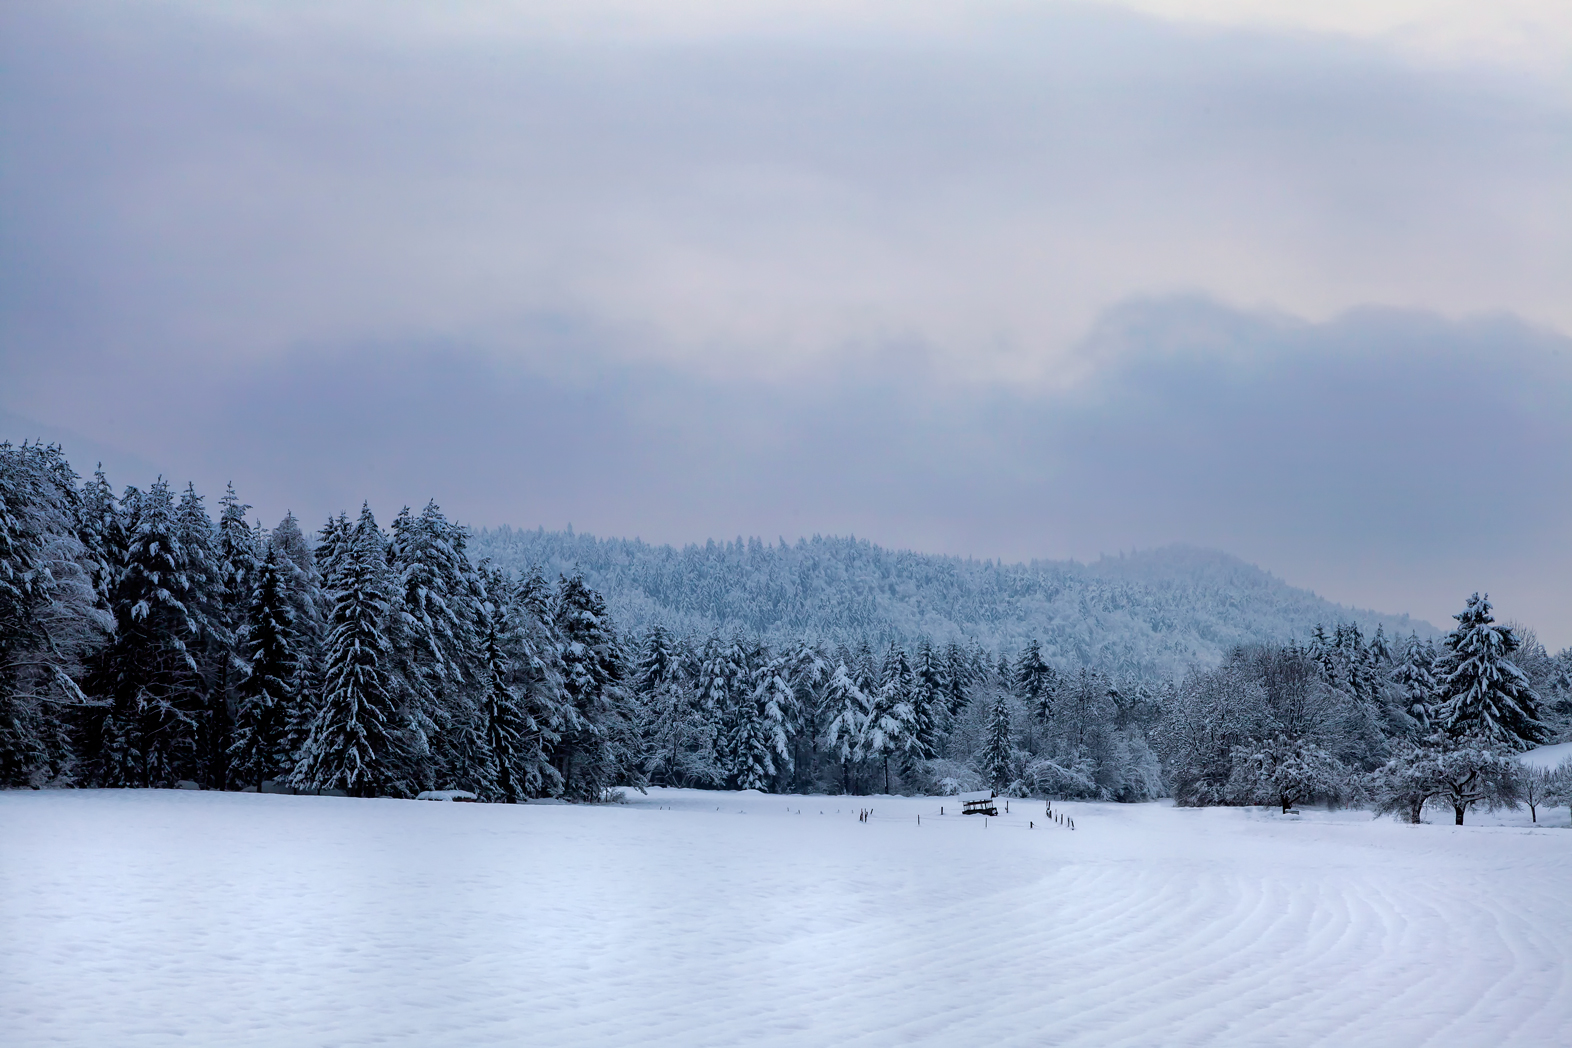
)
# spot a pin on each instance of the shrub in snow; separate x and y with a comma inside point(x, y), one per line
point(1458, 773)
point(942, 778)
point(1285, 772)
point(1558, 786)
point(1047, 778)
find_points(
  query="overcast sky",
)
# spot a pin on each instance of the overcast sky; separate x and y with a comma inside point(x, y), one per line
point(1000, 279)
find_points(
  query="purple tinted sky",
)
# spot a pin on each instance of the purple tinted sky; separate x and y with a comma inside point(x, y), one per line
point(1024, 280)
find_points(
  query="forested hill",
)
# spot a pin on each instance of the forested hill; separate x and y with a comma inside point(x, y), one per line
point(1151, 613)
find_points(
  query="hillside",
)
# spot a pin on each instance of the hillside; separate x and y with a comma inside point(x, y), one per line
point(1151, 613)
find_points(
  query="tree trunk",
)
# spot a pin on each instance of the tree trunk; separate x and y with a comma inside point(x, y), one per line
point(886, 773)
point(1458, 810)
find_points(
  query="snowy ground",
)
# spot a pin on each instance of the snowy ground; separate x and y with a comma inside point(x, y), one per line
point(135, 918)
point(1548, 756)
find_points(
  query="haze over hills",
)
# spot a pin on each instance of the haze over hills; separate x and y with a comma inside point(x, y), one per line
point(1151, 613)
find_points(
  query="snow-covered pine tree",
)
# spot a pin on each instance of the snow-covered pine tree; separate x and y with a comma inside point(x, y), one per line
point(998, 756)
point(845, 711)
point(720, 685)
point(1483, 694)
point(809, 672)
point(865, 670)
point(355, 741)
point(520, 694)
point(1323, 650)
point(148, 674)
point(311, 609)
point(259, 749)
point(1415, 680)
point(927, 705)
point(660, 679)
point(598, 749)
point(101, 531)
point(433, 638)
point(958, 679)
point(232, 564)
point(1035, 682)
point(760, 745)
point(50, 619)
point(887, 731)
point(1378, 652)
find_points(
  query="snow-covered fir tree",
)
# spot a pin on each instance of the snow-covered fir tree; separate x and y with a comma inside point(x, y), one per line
point(998, 756)
point(521, 704)
point(148, 675)
point(598, 749)
point(51, 616)
point(667, 708)
point(260, 748)
point(845, 713)
point(433, 638)
point(1035, 682)
point(887, 731)
point(1415, 681)
point(356, 742)
point(759, 744)
point(1482, 693)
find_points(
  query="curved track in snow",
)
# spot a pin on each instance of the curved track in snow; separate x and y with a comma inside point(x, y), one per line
point(158, 918)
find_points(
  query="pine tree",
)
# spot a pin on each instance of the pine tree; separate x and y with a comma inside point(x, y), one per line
point(433, 638)
point(927, 704)
point(1035, 682)
point(354, 742)
point(260, 747)
point(311, 609)
point(721, 684)
point(958, 678)
point(597, 748)
point(1483, 694)
point(520, 696)
point(230, 583)
point(759, 742)
point(101, 531)
point(887, 730)
point(999, 751)
point(1416, 682)
point(50, 614)
point(809, 673)
point(846, 711)
point(660, 681)
point(148, 673)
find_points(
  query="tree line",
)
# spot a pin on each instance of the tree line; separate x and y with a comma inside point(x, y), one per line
point(145, 643)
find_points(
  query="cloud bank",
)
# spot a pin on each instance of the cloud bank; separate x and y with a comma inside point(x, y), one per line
point(1003, 279)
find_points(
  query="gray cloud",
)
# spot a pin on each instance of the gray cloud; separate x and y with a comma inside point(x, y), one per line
point(1389, 459)
point(955, 292)
point(182, 183)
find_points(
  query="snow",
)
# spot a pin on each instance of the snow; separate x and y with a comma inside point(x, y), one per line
point(147, 917)
point(445, 795)
point(1547, 756)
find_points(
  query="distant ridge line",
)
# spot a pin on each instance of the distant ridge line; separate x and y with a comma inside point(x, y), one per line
point(1151, 613)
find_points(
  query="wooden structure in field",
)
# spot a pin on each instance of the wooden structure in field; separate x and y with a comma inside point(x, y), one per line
point(979, 803)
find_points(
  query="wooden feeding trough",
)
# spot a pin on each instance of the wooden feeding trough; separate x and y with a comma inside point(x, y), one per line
point(979, 803)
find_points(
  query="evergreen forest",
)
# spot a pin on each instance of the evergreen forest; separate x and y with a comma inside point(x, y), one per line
point(148, 640)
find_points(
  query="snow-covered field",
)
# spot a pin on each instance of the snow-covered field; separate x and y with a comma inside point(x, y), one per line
point(688, 918)
point(1547, 757)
